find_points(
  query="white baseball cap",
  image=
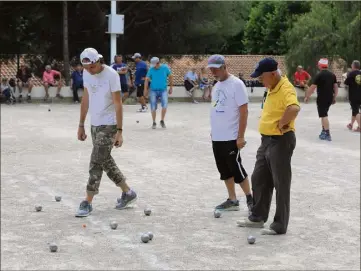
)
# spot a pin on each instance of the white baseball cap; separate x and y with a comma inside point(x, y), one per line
point(154, 61)
point(89, 56)
point(136, 55)
point(323, 62)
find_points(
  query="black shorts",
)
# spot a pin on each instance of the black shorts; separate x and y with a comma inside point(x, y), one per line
point(140, 90)
point(124, 88)
point(355, 106)
point(228, 160)
point(323, 106)
point(188, 85)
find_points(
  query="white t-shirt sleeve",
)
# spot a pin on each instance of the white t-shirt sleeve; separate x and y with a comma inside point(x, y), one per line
point(86, 79)
point(241, 95)
point(114, 83)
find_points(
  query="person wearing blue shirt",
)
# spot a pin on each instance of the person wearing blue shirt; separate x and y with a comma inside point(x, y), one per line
point(122, 70)
point(141, 70)
point(158, 76)
point(77, 82)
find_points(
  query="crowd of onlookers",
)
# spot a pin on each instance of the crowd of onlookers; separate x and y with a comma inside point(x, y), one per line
point(52, 78)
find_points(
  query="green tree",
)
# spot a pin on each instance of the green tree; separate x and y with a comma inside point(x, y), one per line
point(268, 22)
point(330, 29)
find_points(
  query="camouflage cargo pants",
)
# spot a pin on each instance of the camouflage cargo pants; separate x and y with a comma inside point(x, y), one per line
point(101, 159)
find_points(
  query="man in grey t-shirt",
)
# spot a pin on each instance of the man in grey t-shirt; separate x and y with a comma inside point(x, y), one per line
point(229, 115)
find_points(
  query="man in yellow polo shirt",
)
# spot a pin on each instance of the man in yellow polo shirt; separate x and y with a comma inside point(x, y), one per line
point(273, 162)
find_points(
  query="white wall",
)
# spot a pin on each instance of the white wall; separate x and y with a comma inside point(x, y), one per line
point(178, 92)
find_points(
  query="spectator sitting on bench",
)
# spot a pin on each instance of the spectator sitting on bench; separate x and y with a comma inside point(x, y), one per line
point(77, 82)
point(24, 76)
point(301, 78)
point(190, 83)
point(205, 84)
point(51, 78)
point(6, 92)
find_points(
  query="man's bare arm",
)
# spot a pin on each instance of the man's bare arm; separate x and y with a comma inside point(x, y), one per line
point(310, 91)
point(243, 111)
point(289, 115)
point(335, 90)
point(84, 106)
point(170, 80)
point(146, 84)
point(117, 99)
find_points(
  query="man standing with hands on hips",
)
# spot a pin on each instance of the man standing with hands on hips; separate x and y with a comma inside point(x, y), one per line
point(103, 99)
point(273, 160)
point(229, 113)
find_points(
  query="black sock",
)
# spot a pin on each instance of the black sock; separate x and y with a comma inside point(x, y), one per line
point(249, 198)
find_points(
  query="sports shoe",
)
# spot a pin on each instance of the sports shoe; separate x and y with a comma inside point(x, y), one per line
point(268, 232)
point(162, 124)
point(250, 222)
point(28, 99)
point(328, 137)
point(250, 206)
point(143, 109)
point(59, 96)
point(84, 209)
point(322, 136)
point(228, 205)
point(20, 99)
point(154, 125)
point(126, 199)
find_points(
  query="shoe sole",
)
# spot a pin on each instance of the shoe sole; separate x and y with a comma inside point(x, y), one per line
point(235, 208)
point(85, 215)
point(126, 206)
point(249, 225)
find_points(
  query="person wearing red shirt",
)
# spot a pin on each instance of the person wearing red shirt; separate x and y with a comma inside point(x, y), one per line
point(301, 78)
point(50, 81)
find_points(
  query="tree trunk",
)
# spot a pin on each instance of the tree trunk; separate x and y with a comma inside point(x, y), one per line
point(66, 43)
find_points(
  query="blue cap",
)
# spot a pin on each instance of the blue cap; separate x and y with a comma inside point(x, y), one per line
point(265, 65)
point(216, 61)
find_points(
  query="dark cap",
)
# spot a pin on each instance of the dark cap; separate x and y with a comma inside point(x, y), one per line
point(265, 65)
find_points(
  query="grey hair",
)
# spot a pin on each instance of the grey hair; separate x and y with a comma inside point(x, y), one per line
point(279, 72)
point(47, 66)
point(356, 64)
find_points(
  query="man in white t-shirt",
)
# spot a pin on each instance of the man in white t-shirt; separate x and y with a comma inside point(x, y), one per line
point(102, 96)
point(229, 113)
point(190, 83)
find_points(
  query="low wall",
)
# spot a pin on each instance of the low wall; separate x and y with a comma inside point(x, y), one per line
point(179, 94)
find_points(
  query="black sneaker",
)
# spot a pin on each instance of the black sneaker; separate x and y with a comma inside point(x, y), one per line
point(228, 205)
point(162, 124)
point(154, 125)
point(28, 99)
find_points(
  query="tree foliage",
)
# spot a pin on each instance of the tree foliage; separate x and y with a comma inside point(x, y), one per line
point(330, 29)
point(268, 22)
point(151, 27)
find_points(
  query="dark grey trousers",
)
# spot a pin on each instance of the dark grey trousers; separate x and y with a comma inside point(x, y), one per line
point(273, 170)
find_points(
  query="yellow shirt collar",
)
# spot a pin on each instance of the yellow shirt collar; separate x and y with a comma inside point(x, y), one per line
point(278, 86)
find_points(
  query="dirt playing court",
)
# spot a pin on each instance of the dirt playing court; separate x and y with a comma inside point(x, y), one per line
point(173, 172)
